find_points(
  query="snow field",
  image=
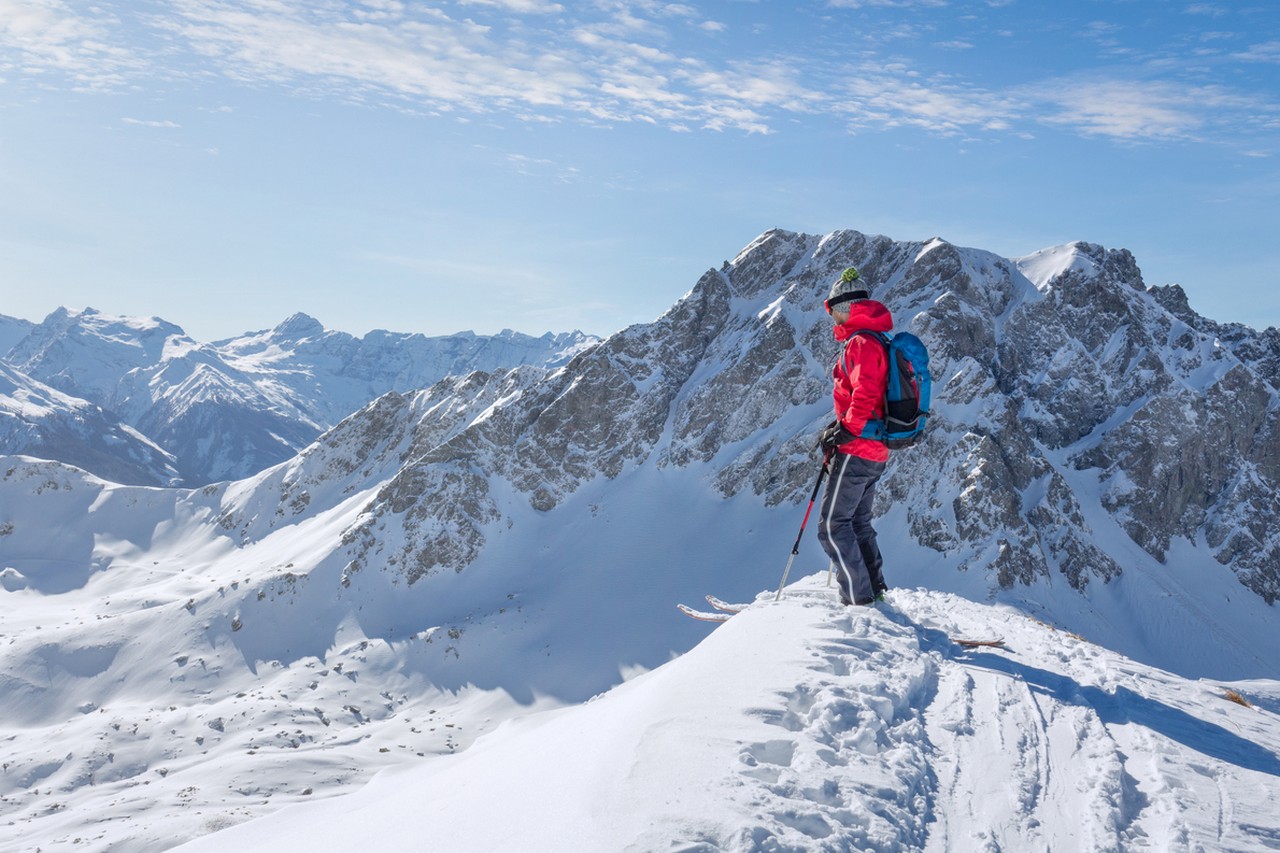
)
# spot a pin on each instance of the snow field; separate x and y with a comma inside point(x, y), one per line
point(138, 715)
point(807, 726)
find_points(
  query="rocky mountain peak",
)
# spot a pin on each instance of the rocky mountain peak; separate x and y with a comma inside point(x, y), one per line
point(298, 327)
point(1060, 385)
point(515, 536)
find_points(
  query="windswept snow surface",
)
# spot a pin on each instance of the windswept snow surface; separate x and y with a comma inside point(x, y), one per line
point(803, 725)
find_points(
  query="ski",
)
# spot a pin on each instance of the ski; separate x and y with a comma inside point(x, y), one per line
point(726, 606)
point(970, 644)
point(703, 615)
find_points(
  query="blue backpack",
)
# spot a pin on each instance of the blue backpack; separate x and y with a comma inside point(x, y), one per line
point(906, 394)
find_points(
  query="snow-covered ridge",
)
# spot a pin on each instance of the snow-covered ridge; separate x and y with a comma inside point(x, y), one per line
point(1044, 266)
point(806, 726)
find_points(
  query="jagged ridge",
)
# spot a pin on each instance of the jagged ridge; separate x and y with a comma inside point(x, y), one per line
point(1079, 379)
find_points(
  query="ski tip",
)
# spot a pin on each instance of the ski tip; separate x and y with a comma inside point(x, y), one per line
point(972, 644)
point(702, 616)
point(727, 607)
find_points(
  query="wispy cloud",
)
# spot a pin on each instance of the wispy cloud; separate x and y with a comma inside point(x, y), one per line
point(541, 166)
point(900, 4)
point(1211, 9)
point(47, 36)
point(448, 63)
point(608, 62)
point(1265, 52)
point(883, 100)
point(524, 7)
point(1122, 110)
point(165, 124)
point(1146, 110)
point(610, 69)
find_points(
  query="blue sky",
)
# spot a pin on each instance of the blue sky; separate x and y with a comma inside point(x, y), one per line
point(542, 166)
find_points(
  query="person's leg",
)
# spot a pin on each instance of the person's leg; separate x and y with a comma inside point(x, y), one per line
point(850, 476)
point(866, 535)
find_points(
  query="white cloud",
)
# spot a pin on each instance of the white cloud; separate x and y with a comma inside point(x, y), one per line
point(1122, 110)
point(151, 123)
point(893, 100)
point(1264, 52)
point(772, 84)
point(451, 64)
point(610, 61)
point(1148, 110)
point(1206, 9)
point(42, 36)
point(524, 7)
point(898, 4)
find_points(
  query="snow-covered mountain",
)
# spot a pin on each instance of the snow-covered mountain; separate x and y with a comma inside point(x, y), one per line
point(441, 561)
point(229, 409)
point(1070, 404)
point(12, 330)
point(37, 420)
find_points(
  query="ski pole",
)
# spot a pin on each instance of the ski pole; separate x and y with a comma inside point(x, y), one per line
point(795, 549)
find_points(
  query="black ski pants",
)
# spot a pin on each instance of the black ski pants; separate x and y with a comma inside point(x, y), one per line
point(844, 527)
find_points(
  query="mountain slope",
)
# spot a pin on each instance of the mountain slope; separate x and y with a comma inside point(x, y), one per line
point(804, 725)
point(12, 330)
point(37, 420)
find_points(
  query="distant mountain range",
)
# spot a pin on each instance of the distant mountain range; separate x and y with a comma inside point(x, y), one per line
point(225, 410)
point(37, 420)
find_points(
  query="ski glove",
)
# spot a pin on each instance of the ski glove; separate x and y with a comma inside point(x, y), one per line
point(833, 435)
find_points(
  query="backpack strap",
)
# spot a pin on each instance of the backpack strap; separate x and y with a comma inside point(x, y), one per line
point(879, 336)
point(874, 428)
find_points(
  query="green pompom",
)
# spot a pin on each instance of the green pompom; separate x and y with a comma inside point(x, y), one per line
point(851, 274)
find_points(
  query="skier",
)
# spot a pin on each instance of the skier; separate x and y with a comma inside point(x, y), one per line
point(860, 374)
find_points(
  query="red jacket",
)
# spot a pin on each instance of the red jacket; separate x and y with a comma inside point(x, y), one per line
point(860, 376)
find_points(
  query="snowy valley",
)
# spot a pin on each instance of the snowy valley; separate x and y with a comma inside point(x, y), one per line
point(487, 564)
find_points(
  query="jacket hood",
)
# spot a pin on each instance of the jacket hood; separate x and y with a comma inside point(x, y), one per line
point(865, 315)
